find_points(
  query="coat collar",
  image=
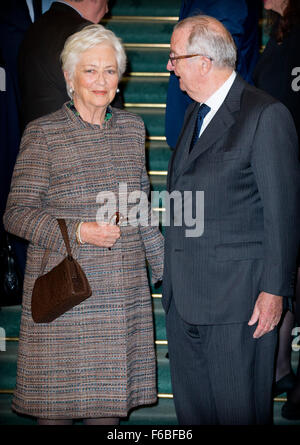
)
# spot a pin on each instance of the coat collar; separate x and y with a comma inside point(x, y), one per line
point(77, 121)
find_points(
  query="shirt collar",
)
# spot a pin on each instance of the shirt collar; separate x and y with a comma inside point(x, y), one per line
point(216, 99)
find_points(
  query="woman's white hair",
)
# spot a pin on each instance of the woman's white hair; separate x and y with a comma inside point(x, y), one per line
point(88, 37)
point(209, 37)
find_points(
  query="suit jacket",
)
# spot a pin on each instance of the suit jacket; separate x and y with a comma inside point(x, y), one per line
point(14, 22)
point(42, 83)
point(240, 17)
point(246, 162)
point(274, 71)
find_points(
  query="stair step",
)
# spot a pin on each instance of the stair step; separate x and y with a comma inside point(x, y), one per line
point(158, 182)
point(159, 320)
point(158, 154)
point(278, 419)
point(8, 417)
point(10, 317)
point(146, 90)
point(154, 119)
point(157, 289)
point(157, 8)
point(8, 366)
point(151, 60)
point(131, 30)
point(163, 370)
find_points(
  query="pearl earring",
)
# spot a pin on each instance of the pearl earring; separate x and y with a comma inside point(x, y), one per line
point(118, 90)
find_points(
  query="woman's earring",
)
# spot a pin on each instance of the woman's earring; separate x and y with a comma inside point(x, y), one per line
point(71, 91)
point(118, 90)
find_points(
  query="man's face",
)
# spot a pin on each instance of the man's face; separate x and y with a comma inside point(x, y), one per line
point(275, 5)
point(102, 8)
point(185, 69)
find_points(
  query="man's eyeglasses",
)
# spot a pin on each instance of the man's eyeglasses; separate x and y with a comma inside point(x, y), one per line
point(173, 59)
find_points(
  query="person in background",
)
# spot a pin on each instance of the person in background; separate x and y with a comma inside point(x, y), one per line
point(227, 272)
point(276, 73)
point(41, 78)
point(240, 17)
point(15, 19)
point(97, 361)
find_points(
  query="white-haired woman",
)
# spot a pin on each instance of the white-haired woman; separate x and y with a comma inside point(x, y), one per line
point(96, 361)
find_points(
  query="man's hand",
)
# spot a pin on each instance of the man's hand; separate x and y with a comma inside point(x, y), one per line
point(267, 311)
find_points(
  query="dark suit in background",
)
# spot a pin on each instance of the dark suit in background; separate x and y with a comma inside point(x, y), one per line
point(273, 72)
point(42, 83)
point(240, 17)
point(14, 22)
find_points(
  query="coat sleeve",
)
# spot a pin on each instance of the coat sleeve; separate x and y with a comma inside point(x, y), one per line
point(150, 233)
point(26, 211)
point(277, 172)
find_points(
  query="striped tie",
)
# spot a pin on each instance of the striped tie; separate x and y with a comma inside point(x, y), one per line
point(202, 112)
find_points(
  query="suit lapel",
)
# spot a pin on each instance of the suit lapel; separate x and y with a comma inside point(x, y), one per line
point(181, 150)
point(218, 126)
point(215, 130)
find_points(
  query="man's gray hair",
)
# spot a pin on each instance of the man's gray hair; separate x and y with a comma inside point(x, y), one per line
point(209, 37)
point(88, 37)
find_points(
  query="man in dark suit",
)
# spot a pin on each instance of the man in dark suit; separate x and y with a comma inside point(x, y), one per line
point(223, 291)
point(42, 84)
point(240, 17)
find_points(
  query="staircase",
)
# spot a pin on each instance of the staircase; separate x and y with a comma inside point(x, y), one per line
point(145, 28)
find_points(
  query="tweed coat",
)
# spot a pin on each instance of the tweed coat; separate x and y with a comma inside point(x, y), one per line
point(97, 359)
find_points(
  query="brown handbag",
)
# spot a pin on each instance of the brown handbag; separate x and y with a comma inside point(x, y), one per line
point(62, 288)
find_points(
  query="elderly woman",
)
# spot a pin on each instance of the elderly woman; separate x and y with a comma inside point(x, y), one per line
point(96, 361)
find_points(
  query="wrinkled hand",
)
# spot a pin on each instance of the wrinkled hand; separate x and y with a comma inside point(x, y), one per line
point(267, 311)
point(101, 235)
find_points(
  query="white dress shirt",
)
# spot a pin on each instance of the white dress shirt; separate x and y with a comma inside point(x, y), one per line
point(30, 9)
point(216, 100)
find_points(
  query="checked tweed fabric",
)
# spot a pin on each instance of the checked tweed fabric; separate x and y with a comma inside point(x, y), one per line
point(97, 359)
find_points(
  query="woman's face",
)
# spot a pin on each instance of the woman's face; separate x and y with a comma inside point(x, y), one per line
point(276, 5)
point(95, 80)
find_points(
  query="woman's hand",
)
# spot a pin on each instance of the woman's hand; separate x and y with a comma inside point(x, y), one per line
point(101, 235)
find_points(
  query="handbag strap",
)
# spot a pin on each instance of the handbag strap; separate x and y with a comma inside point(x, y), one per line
point(65, 235)
point(64, 232)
